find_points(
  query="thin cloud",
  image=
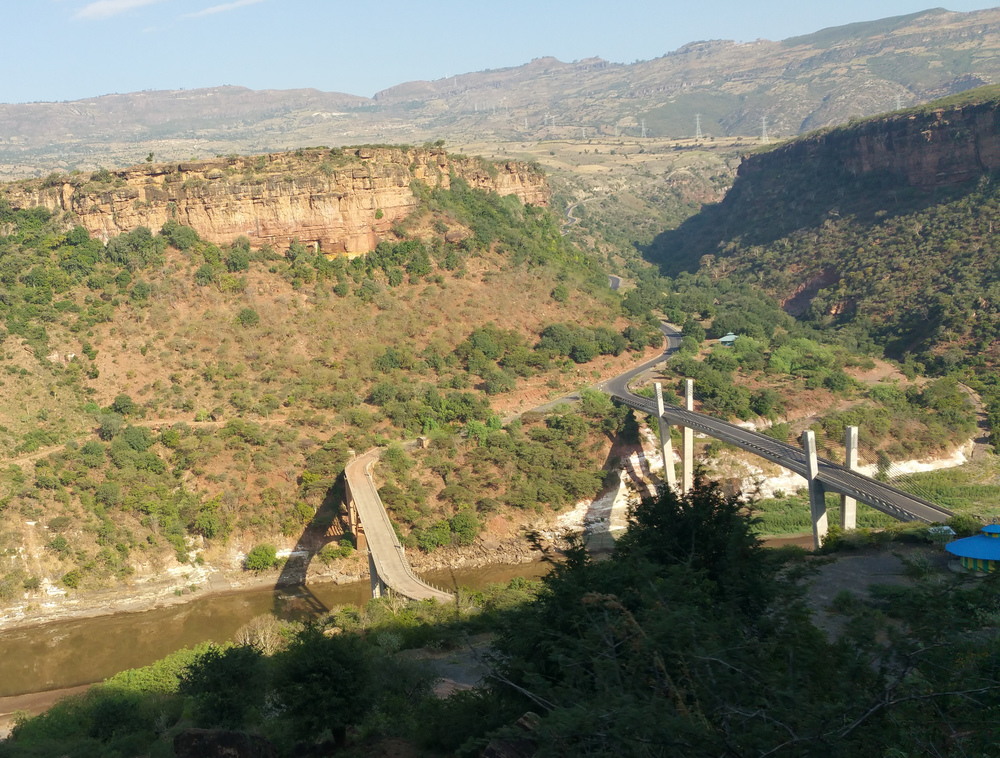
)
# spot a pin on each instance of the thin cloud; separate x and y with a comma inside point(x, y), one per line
point(221, 8)
point(109, 8)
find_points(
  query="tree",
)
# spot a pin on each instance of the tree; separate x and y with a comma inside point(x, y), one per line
point(205, 275)
point(324, 683)
point(110, 425)
point(226, 685)
point(123, 405)
point(238, 259)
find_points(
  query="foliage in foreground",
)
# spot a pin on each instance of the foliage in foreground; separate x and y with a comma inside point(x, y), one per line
point(690, 640)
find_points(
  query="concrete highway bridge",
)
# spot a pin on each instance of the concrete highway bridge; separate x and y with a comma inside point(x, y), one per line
point(374, 533)
point(390, 570)
point(821, 475)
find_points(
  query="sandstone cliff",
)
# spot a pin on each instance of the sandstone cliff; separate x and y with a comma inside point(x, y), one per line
point(340, 201)
point(925, 148)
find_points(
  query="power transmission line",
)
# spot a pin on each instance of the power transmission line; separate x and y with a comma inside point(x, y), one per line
point(763, 130)
point(697, 127)
point(644, 128)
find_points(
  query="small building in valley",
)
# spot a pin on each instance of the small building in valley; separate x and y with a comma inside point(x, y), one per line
point(980, 552)
point(728, 340)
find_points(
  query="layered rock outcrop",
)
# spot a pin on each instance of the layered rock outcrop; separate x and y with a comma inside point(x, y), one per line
point(934, 148)
point(342, 202)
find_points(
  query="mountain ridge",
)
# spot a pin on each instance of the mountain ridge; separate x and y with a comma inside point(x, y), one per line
point(792, 86)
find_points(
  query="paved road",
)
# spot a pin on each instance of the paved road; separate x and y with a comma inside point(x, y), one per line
point(570, 218)
point(383, 544)
point(835, 478)
point(394, 569)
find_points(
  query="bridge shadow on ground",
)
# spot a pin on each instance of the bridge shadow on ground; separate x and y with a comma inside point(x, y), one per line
point(628, 459)
point(327, 526)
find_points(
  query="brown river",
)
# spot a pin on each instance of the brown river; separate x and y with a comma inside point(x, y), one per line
point(71, 653)
point(66, 654)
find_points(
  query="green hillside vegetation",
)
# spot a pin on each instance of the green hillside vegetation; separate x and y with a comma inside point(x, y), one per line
point(162, 395)
point(869, 257)
point(734, 663)
point(778, 364)
point(444, 494)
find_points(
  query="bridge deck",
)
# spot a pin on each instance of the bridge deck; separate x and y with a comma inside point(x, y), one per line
point(835, 478)
point(383, 544)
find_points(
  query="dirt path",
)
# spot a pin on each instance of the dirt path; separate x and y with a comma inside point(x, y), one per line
point(981, 442)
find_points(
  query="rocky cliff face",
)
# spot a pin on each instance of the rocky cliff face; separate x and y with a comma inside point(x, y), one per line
point(937, 148)
point(341, 202)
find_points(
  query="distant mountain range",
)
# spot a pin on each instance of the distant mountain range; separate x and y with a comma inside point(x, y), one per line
point(788, 87)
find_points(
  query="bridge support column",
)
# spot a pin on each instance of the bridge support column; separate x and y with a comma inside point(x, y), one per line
point(848, 505)
point(354, 520)
point(687, 441)
point(378, 588)
point(666, 446)
point(817, 493)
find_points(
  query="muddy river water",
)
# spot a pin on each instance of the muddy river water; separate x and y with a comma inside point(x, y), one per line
point(71, 653)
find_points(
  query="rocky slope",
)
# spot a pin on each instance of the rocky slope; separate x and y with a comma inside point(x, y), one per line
point(338, 201)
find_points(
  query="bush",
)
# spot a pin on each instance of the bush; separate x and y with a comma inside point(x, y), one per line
point(248, 318)
point(261, 558)
point(465, 525)
point(72, 579)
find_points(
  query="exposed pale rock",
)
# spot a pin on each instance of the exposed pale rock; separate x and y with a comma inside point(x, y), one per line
point(335, 211)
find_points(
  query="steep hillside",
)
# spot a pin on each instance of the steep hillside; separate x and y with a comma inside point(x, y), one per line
point(885, 225)
point(167, 401)
point(798, 84)
point(882, 230)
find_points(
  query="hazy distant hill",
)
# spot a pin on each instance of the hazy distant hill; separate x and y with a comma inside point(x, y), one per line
point(796, 85)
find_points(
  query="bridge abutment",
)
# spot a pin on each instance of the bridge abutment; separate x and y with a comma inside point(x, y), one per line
point(666, 445)
point(817, 493)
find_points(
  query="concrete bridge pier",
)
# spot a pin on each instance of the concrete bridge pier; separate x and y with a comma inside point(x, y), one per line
point(817, 493)
point(378, 586)
point(666, 445)
point(848, 505)
point(687, 441)
point(354, 520)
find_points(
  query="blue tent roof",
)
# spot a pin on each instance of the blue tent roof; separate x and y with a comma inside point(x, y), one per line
point(991, 529)
point(980, 547)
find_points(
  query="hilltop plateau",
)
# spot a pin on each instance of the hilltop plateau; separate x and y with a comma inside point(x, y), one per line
point(795, 85)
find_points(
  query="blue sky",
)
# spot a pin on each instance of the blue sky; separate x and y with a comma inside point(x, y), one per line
point(70, 49)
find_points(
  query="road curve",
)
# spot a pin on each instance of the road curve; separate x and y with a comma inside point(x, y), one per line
point(383, 545)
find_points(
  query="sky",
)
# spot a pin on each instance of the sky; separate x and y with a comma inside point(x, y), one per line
point(71, 49)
